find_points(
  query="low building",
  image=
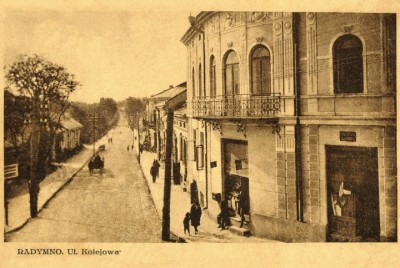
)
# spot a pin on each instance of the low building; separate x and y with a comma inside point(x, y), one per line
point(68, 137)
point(180, 135)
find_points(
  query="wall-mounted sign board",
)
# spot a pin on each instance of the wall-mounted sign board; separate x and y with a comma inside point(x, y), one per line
point(348, 136)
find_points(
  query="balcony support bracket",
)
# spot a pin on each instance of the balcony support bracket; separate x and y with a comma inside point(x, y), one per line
point(276, 128)
point(241, 127)
point(216, 125)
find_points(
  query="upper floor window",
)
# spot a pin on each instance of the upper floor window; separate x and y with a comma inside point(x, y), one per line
point(193, 83)
point(348, 64)
point(260, 71)
point(200, 84)
point(231, 74)
point(213, 77)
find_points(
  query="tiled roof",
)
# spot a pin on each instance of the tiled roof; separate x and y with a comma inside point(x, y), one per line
point(70, 123)
point(170, 92)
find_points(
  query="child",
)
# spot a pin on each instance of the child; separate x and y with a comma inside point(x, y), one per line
point(186, 222)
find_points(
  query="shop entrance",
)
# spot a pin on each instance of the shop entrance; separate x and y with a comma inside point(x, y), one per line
point(236, 179)
point(353, 193)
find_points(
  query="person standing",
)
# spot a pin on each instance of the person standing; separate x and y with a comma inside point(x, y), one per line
point(186, 222)
point(153, 173)
point(156, 164)
point(223, 217)
point(195, 215)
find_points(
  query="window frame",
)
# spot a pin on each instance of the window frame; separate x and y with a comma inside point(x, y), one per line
point(193, 83)
point(342, 71)
point(213, 77)
point(261, 71)
point(231, 67)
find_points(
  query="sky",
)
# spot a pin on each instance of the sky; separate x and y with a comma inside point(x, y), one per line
point(122, 48)
point(113, 53)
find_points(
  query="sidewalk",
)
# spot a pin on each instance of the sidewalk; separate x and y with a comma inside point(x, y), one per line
point(19, 207)
point(180, 204)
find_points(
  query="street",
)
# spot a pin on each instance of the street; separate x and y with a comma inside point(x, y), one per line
point(113, 207)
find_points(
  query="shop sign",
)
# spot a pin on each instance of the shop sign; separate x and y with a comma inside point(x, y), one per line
point(348, 136)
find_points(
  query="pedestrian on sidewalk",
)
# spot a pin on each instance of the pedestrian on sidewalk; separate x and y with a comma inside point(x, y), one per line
point(153, 173)
point(195, 214)
point(186, 222)
point(156, 164)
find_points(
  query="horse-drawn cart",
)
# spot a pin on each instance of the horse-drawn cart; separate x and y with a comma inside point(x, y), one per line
point(96, 163)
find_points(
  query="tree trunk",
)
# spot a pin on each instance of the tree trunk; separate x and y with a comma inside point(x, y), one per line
point(167, 183)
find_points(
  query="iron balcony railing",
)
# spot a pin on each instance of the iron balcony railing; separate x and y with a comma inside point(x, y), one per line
point(237, 106)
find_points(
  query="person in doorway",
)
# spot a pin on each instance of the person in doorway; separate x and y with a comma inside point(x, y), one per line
point(186, 222)
point(127, 148)
point(223, 216)
point(132, 148)
point(195, 215)
point(244, 207)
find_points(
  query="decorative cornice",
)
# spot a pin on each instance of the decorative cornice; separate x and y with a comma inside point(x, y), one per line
point(260, 39)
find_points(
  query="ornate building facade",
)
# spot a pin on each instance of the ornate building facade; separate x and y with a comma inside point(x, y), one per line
point(292, 119)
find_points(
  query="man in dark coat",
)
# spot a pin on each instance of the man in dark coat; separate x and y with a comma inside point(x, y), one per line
point(223, 217)
point(156, 166)
point(153, 173)
point(195, 214)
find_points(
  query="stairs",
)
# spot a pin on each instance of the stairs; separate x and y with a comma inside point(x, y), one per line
point(234, 228)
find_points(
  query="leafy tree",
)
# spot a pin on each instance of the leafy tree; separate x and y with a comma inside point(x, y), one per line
point(134, 106)
point(46, 85)
point(16, 111)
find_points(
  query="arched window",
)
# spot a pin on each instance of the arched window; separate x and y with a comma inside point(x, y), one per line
point(200, 84)
point(348, 64)
point(193, 83)
point(260, 71)
point(213, 77)
point(231, 74)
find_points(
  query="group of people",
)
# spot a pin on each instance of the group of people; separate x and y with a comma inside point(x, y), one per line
point(109, 140)
point(129, 146)
point(193, 218)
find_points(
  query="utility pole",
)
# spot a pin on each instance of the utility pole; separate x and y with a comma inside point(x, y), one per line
point(167, 182)
point(39, 119)
point(138, 131)
point(93, 121)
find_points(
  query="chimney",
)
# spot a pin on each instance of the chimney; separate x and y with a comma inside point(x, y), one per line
point(171, 86)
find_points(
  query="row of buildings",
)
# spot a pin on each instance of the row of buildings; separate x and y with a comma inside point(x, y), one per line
point(298, 111)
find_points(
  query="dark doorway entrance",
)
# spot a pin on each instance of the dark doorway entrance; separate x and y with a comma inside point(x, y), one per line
point(236, 178)
point(353, 193)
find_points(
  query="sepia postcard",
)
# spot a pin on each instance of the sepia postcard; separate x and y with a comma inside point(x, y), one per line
point(192, 134)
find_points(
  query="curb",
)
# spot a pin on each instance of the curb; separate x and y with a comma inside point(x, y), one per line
point(50, 198)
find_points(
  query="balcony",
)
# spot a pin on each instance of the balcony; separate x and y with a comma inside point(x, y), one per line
point(237, 106)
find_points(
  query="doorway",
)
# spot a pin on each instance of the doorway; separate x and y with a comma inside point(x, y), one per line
point(353, 193)
point(235, 177)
